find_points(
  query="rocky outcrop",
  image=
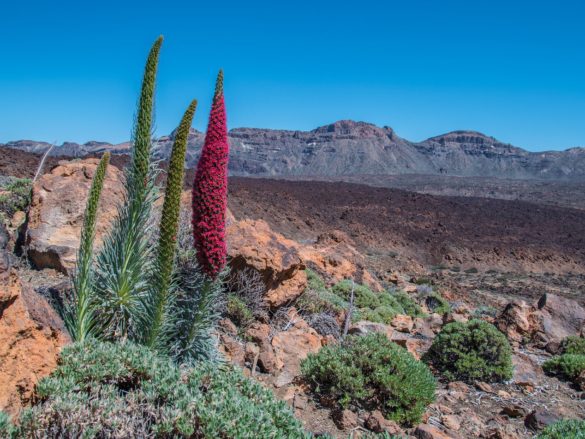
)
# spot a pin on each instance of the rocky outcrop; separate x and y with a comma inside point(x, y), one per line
point(31, 337)
point(547, 322)
point(56, 212)
point(252, 244)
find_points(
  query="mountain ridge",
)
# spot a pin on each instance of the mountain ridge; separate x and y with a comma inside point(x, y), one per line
point(349, 147)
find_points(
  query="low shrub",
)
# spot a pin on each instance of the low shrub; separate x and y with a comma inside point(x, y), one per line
point(325, 324)
point(124, 390)
point(363, 296)
point(16, 196)
point(320, 301)
point(471, 351)
point(436, 304)
point(564, 429)
point(408, 304)
point(382, 314)
point(238, 312)
point(372, 372)
point(568, 366)
point(573, 345)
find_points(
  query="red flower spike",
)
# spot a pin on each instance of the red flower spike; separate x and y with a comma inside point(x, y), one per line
point(210, 190)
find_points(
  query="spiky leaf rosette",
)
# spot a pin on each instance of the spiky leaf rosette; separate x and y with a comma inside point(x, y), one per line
point(210, 190)
point(169, 225)
point(80, 316)
point(126, 254)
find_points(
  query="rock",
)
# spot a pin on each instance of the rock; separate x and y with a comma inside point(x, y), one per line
point(539, 419)
point(56, 212)
point(402, 323)
point(345, 419)
point(503, 394)
point(252, 244)
point(426, 431)
point(228, 326)
point(560, 317)
point(484, 387)
point(458, 386)
point(527, 372)
point(423, 327)
point(260, 334)
point(514, 411)
point(364, 327)
point(378, 424)
point(232, 349)
point(293, 345)
point(516, 321)
point(415, 345)
point(452, 422)
point(454, 317)
point(580, 381)
point(31, 338)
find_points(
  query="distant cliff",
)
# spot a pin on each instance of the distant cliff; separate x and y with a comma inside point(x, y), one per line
point(359, 148)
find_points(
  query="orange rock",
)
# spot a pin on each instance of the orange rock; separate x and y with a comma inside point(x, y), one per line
point(252, 244)
point(56, 213)
point(402, 323)
point(31, 338)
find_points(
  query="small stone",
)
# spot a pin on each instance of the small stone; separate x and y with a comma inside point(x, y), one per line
point(345, 419)
point(402, 323)
point(378, 424)
point(452, 422)
point(503, 394)
point(228, 326)
point(514, 411)
point(426, 431)
point(539, 419)
point(484, 387)
point(458, 386)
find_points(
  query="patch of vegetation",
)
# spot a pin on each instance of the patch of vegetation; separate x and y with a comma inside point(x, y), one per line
point(472, 270)
point(408, 304)
point(15, 195)
point(484, 311)
point(437, 304)
point(568, 366)
point(573, 345)
point(564, 429)
point(238, 312)
point(363, 296)
point(125, 390)
point(471, 351)
point(372, 372)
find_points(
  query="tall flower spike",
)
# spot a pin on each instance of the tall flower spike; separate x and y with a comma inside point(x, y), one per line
point(210, 189)
point(169, 224)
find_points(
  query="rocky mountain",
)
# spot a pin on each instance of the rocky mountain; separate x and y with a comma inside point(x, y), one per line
point(358, 148)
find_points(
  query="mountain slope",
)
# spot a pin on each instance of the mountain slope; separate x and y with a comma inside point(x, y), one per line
point(359, 148)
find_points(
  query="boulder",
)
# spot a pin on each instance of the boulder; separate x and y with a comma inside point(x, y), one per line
point(364, 327)
point(546, 323)
point(57, 208)
point(252, 244)
point(31, 338)
point(292, 345)
point(402, 323)
point(527, 372)
point(378, 424)
point(560, 317)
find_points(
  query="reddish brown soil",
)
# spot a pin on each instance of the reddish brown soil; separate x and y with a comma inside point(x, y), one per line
point(396, 227)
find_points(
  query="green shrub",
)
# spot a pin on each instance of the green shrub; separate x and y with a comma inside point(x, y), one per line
point(565, 429)
point(436, 304)
point(408, 304)
point(382, 314)
point(314, 281)
point(363, 296)
point(471, 351)
point(124, 390)
point(372, 371)
point(7, 429)
point(567, 365)
point(238, 311)
point(17, 196)
point(573, 345)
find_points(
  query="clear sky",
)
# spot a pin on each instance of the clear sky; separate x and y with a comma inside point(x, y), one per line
point(515, 69)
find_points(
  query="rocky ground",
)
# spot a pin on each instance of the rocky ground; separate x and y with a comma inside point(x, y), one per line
point(518, 265)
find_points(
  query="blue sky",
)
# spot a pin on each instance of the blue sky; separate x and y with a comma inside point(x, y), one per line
point(515, 70)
